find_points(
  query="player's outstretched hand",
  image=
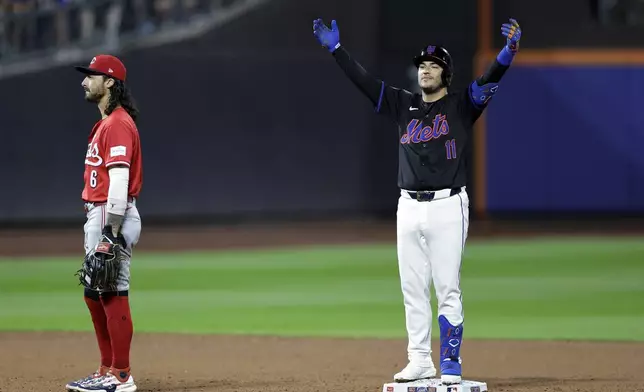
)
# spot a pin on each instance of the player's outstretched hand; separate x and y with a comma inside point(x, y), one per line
point(328, 38)
point(512, 32)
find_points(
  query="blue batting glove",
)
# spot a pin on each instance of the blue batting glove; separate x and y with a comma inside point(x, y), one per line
point(328, 38)
point(512, 32)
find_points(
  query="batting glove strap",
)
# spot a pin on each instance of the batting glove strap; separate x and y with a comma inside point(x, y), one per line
point(505, 56)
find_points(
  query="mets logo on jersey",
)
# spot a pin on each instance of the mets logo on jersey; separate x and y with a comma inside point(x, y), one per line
point(92, 158)
point(417, 132)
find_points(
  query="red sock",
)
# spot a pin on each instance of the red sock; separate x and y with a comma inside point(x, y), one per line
point(119, 323)
point(100, 327)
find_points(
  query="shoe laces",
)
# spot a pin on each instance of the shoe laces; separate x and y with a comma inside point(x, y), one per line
point(104, 379)
point(91, 377)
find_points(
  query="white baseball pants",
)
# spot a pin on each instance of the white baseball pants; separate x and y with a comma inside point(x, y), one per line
point(131, 230)
point(431, 237)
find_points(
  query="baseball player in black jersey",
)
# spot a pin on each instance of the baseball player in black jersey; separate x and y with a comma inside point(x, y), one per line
point(434, 129)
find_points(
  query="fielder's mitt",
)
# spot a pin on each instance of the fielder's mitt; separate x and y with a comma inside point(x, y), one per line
point(101, 266)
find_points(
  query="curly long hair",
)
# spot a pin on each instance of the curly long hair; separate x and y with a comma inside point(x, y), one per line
point(121, 96)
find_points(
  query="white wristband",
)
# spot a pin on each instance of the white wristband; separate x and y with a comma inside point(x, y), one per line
point(117, 193)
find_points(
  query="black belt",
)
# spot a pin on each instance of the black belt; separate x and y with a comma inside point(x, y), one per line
point(429, 195)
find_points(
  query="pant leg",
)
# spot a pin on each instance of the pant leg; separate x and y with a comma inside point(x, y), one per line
point(131, 230)
point(447, 232)
point(93, 227)
point(415, 279)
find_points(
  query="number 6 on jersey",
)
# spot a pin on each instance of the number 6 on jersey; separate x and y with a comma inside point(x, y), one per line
point(92, 178)
point(450, 146)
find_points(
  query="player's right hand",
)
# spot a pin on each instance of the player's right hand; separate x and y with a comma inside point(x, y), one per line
point(512, 32)
point(328, 38)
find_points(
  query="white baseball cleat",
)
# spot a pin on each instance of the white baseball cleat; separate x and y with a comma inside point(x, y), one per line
point(450, 379)
point(414, 371)
point(108, 383)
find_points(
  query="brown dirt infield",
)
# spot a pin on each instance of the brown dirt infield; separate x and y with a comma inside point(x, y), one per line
point(46, 361)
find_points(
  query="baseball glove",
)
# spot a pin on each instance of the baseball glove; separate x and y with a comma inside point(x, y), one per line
point(101, 266)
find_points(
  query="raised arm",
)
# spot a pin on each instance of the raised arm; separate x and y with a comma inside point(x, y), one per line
point(486, 85)
point(384, 98)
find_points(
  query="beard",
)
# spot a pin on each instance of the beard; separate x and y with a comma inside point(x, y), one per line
point(434, 88)
point(93, 97)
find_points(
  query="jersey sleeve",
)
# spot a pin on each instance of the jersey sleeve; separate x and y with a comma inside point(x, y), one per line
point(387, 100)
point(118, 144)
point(392, 100)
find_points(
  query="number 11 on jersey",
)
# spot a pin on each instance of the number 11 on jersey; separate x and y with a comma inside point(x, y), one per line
point(450, 146)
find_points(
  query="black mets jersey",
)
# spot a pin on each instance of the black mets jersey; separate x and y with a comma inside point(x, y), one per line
point(432, 136)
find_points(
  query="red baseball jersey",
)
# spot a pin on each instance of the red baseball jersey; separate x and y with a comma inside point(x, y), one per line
point(113, 141)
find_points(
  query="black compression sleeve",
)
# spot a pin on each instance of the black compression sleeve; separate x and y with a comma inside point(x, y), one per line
point(368, 85)
point(493, 74)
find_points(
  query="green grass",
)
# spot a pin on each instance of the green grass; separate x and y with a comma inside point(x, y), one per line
point(537, 289)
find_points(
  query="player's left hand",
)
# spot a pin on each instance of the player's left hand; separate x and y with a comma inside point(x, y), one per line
point(512, 32)
point(101, 267)
point(108, 240)
point(328, 38)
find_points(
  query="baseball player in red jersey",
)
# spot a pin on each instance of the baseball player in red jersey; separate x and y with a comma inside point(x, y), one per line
point(113, 178)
